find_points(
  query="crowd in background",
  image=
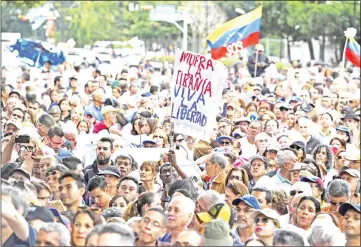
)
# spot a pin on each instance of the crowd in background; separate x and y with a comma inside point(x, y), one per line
point(282, 167)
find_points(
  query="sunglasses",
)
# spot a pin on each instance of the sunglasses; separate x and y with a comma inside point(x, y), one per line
point(180, 140)
point(340, 157)
point(157, 136)
point(294, 192)
point(27, 148)
point(263, 220)
point(336, 204)
point(225, 143)
point(53, 173)
point(296, 148)
point(235, 177)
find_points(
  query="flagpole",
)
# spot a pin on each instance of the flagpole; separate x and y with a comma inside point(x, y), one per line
point(255, 66)
point(344, 56)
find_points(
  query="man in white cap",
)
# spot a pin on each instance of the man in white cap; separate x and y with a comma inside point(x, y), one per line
point(262, 61)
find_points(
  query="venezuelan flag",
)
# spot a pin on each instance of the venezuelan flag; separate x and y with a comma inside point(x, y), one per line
point(245, 28)
point(353, 52)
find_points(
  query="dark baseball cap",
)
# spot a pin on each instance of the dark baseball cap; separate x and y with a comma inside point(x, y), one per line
point(62, 218)
point(298, 144)
point(346, 206)
point(39, 213)
point(249, 200)
point(111, 170)
point(21, 170)
point(260, 157)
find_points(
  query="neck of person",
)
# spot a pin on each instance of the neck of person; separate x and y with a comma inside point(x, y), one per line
point(284, 173)
point(307, 137)
point(106, 165)
point(112, 190)
point(141, 243)
point(326, 130)
point(108, 123)
point(246, 233)
point(255, 179)
point(353, 241)
point(251, 139)
point(174, 234)
point(75, 207)
point(148, 185)
point(268, 240)
point(64, 113)
point(97, 105)
point(28, 165)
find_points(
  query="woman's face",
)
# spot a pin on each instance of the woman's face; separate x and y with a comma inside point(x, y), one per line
point(158, 137)
point(120, 203)
point(83, 224)
point(336, 143)
point(167, 128)
point(145, 128)
point(342, 135)
point(229, 196)
point(291, 120)
point(146, 174)
point(116, 93)
point(27, 150)
point(54, 96)
point(235, 175)
point(64, 106)
point(251, 109)
point(111, 116)
point(76, 116)
point(305, 214)
point(316, 192)
point(283, 142)
point(321, 156)
point(42, 130)
point(83, 127)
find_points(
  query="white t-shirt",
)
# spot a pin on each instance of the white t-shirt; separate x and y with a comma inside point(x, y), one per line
point(248, 149)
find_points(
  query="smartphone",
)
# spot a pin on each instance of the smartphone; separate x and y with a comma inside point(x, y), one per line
point(22, 139)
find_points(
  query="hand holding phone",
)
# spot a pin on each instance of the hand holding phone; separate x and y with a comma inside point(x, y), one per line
point(22, 139)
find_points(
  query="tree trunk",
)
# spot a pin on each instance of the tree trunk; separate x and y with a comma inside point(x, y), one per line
point(289, 49)
point(322, 48)
point(310, 47)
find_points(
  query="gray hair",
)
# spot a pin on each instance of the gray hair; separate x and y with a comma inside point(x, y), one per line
point(47, 120)
point(218, 158)
point(111, 212)
point(59, 228)
point(94, 231)
point(339, 188)
point(325, 234)
point(287, 238)
point(189, 204)
point(260, 136)
point(212, 197)
point(18, 198)
point(126, 235)
point(285, 156)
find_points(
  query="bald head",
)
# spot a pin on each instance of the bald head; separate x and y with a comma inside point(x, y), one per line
point(184, 202)
point(189, 238)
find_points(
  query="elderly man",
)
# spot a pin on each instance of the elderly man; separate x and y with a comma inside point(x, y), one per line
point(109, 122)
point(286, 161)
point(262, 140)
point(351, 221)
point(53, 234)
point(96, 107)
point(258, 170)
point(244, 208)
point(352, 177)
point(338, 192)
point(248, 142)
point(180, 214)
point(215, 172)
point(304, 125)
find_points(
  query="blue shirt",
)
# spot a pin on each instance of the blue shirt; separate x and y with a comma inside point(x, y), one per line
point(13, 240)
point(237, 238)
point(63, 153)
point(166, 238)
point(96, 111)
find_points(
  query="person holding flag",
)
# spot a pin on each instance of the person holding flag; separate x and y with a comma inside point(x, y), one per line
point(258, 62)
point(352, 48)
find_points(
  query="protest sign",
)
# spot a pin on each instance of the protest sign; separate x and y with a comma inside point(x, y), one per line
point(196, 90)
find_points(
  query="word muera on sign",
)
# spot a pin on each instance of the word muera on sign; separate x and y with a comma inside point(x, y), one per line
point(234, 48)
point(190, 88)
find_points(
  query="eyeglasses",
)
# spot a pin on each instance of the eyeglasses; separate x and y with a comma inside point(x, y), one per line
point(294, 192)
point(53, 173)
point(232, 177)
point(263, 220)
point(157, 137)
point(56, 143)
point(224, 143)
point(336, 204)
point(27, 148)
point(245, 210)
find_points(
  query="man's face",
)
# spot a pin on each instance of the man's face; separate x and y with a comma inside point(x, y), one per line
point(45, 163)
point(253, 129)
point(124, 165)
point(177, 216)
point(55, 143)
point(202, 206)
point(10, 128)
point(94, 86)
point(352, 181)
point(52, 180)
point(128, 187)
point(103, 153)
point(111, 180)
point(44, 197)
point(100, 198)
point(326, 102)
point(336, 202)
point(225, 128)
point(151, 227)
point(10, 104)
point(262, 142)
point(70, 193)
point(244, 213)
point(351, 123)
point(258, 168)
point(47, 238)
point(303, 127)
point(17, 115)
point(33, 108)
point(261, 197)
point(351, 222)
point(168, 174)
point(188, 238)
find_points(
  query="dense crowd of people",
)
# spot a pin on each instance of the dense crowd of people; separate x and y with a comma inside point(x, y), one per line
point(282, 167)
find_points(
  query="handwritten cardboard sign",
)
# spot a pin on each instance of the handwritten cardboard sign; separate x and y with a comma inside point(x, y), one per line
point(196, 88)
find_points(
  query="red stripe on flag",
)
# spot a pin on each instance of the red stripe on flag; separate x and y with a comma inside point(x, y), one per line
point(221, 52)
point(352, 57)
